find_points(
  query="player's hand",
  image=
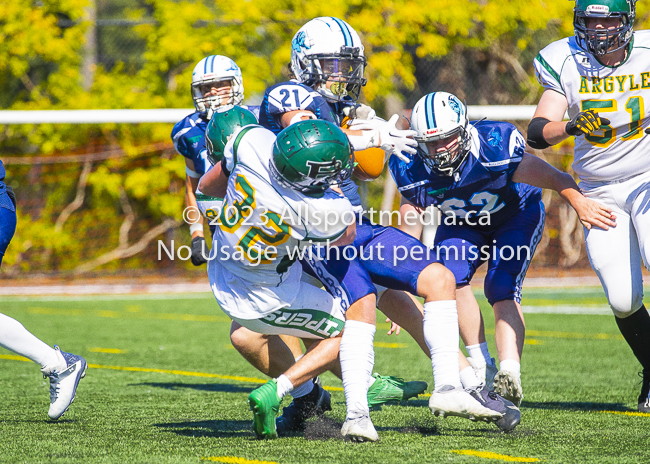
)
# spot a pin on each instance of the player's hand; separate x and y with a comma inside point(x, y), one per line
point(375, 123)
point(395, 141)
point(359, 111)
point(592, 213)
point(200, 251)
point(394, 328)
point(585, 123)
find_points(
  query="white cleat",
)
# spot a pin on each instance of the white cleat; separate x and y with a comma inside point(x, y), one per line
point(359, 429)
point(63, 384)
point(508, 386)
point(485, 373)
point(450, 401)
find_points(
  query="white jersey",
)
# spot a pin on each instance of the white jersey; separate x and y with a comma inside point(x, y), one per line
point(620, 150)
point(261, 229)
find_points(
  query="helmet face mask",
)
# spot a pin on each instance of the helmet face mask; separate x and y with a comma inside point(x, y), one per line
point(226, 122)
point(444, 142)
point(219, 73)
point(603, 40)
point(311, 156)
point(327, 55)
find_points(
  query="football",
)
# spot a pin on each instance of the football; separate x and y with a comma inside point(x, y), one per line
point(369, 163)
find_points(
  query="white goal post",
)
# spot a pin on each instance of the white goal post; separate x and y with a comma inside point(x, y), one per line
point(173, 115)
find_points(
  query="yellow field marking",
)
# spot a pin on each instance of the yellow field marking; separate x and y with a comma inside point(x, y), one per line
point(236, 460)
point(532, 341)
point(628, 413)
point(390, 345)
point(107, 350)
point(168, 371)
point(129, 314)
point(550, 334)
point(490, 455)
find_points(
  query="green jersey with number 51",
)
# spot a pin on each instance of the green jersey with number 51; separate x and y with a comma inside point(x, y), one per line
point(621, 149)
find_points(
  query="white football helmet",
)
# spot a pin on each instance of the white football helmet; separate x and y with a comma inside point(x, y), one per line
point(441, 116)
point(209, 71)
point(328, 49)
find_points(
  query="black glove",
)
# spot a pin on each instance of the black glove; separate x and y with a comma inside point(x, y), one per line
point(585, 123)
point(200, 251)
point(12, 195)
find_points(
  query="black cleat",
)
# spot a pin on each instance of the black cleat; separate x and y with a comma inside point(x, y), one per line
point(312, 404)
point(510, 414)
point(644, 397)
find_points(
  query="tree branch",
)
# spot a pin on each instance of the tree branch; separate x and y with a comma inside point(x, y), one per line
point(121, 252)
point(79, 198)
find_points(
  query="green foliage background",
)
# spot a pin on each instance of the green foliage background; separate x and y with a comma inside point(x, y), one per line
point(481, 50)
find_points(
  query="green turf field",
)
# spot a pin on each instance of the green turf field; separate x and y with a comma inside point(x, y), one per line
point(164, 385)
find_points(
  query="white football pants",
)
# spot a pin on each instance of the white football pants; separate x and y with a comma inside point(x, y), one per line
point(616, 254)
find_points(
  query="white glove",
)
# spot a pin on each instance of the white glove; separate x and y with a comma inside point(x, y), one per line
point(366, 124)
point(359, 111)
point(395, 141)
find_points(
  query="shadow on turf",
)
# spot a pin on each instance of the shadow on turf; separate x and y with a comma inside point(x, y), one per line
point(577, 406)
point(210, 428)
point(215, 387)
point(324, 428)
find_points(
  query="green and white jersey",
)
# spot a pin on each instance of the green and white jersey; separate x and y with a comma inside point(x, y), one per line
point(263, 227)
point(210, 207)
point(620, 150)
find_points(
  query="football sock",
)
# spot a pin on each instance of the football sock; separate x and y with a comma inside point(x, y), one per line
point(512, 366)
point(304, 389)
point(284, 385)
point(357, 359)
point(15, 337)
point(441, 336)
point(468, 378)
point(636, 331)
point(479, 353)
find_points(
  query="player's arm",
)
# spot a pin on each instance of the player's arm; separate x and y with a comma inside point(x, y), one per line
point(537, 172)
point(410, 219)
point(348, 236)
point(199, 248)
point(214, 183)
point(547, 126)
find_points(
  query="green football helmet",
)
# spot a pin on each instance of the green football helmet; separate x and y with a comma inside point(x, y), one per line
point(599, 42)
point(224, 123)
point(310, 156)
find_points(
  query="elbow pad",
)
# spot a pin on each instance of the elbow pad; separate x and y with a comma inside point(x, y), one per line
point(535, 137)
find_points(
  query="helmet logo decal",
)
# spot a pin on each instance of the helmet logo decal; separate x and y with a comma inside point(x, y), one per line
point(495, 139)
point(597, 9)
point(455, 105)
point(323, 168)
point(299, 41)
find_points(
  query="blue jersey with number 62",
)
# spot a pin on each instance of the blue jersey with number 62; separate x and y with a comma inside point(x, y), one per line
point(482, 186)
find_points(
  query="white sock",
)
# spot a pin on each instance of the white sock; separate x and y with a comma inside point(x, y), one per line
point(479, 353)
point(441, 335)
point(15, 337)
point(468, 378)
point(284, 385)
point(511, 365)
point(357, 360)
point(302, 390)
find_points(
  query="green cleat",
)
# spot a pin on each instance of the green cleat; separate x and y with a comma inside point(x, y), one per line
point(265, 404)
point(386, 388)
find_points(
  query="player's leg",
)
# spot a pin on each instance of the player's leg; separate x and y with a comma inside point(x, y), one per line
point(64, 370)
point(459, 250)
point(512, 249)
point(269, 354)
point(315, 315)
point(636, 327)
point(410, 266)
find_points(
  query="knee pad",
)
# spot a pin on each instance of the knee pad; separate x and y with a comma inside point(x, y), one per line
point(623, 304)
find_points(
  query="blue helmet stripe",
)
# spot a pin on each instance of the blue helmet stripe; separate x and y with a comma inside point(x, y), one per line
point(214, 57)
point(428, 111)
point(346, 33)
